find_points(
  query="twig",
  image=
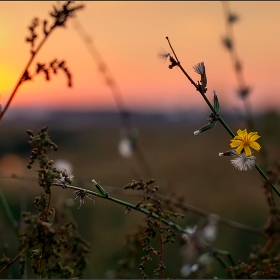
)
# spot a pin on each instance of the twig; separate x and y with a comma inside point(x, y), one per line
point(59, 22)
point(178, 228)
point(183, 205)
point(222, 122)
point(48, 206)
point(5, 108)
point(105, 195)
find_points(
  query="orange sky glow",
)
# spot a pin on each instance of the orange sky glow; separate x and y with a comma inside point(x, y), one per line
point(129, 35)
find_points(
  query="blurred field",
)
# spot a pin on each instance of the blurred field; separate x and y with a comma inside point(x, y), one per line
point(180, 162)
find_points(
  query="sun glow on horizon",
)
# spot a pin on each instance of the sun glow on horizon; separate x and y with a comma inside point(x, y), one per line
point(129, 44)
point(8, 79)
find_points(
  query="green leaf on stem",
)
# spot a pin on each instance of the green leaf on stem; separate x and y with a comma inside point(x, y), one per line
point(216, 102)
point(100, 189)
point(205, 128)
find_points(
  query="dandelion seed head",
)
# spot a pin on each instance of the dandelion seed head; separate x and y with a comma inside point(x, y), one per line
point(163, 55)
point(199, 68)
point(243, 162)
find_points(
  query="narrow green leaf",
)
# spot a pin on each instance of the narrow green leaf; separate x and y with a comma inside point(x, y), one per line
point(205, 128)
point(216, 102)
point(100, 189)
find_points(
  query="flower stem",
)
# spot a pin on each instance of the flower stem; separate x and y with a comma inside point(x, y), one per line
point(144, 211)
point(126, 204)
point(21, 77)
point(232, 134)
point(48, 206)
point(267, 179)
point(222, 122)
point(184, 206)
point(187, 75)
point(207, 101)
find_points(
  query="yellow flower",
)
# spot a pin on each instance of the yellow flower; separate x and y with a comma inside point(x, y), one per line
point(243, 140)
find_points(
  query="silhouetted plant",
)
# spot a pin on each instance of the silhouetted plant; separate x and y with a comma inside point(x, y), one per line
point(60, 16)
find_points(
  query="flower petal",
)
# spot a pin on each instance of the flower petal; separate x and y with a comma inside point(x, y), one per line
point(239, 149)
point(234, 143)
point(251, 134)
point(242, 133)
point(247, 151)
point(255, 146)
point(253, 137)
point(246, 141)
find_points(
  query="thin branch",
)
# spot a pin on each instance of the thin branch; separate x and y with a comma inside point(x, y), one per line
point(57, 23)
point(106, 196)
point(151, 214)
point(5, 108)
point(172, 50)
point(48, 205)
point(183, 205)
point(226, 126)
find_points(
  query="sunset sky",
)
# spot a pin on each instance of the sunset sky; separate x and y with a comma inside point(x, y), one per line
point(129, 35)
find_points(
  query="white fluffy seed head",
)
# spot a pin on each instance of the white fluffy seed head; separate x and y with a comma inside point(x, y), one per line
point(243, 162)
